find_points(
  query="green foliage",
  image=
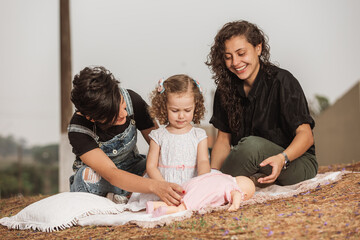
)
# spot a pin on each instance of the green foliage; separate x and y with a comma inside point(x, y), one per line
point(28, 180)
point(48, 154)
point(318, 104)
point(323, 102)
point(8, 145)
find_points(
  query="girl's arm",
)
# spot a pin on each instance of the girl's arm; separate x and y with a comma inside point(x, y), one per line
point(153, 161)
point(97, 160)
point(220, 150)
point(203, 164)
point(302, 141)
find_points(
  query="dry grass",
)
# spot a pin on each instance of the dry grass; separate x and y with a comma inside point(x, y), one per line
point(327, 212)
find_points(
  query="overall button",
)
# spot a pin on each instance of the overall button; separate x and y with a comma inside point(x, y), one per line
point(115, 151)
point(132, 121)
point(100, 144)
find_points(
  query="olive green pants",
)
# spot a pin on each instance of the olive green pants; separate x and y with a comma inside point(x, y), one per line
point(245, 157)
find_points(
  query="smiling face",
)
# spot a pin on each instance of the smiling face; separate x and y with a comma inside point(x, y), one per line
point(180, 110)
point(242, 58)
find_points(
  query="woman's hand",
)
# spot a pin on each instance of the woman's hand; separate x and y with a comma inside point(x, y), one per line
point(170, 193)
point(277, 163)
point(302, 141)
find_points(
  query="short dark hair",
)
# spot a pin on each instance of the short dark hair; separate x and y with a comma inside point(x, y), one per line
point(96, 94)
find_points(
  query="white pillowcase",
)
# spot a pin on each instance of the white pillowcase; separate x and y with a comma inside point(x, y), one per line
point(60, 211)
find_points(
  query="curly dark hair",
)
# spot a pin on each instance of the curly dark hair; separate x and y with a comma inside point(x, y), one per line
point(96, 95)
point(176, 84)
point(224, 78)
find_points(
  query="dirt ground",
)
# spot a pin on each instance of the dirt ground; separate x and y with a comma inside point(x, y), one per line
point(327, 212)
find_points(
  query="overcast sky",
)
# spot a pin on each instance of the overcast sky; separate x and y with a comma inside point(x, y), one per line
point(141, 41)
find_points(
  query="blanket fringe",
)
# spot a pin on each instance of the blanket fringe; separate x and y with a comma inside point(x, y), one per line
point(166, 220)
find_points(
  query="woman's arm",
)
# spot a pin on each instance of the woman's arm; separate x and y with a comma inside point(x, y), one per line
point(220, 150)
point(203, 164)
point(97, 160)
point(153, 161)
point(302, 141)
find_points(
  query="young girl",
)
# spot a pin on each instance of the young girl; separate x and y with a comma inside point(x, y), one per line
point(208, 190)
point(178, 151)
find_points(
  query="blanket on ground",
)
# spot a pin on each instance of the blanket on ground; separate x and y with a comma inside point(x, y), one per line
point(68, 209)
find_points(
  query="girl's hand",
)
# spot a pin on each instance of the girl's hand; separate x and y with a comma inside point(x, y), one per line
point(170, 193)
point(277, 163)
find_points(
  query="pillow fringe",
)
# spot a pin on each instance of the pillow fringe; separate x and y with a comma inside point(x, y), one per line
point(12, 223)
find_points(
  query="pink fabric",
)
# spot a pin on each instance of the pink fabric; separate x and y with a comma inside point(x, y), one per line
point(210, 189)
point(178, 167)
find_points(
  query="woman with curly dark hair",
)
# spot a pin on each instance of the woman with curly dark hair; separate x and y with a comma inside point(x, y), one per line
point(260, 111)
point(103, 135)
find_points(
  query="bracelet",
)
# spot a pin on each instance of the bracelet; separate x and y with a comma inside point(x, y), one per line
point(286, 162)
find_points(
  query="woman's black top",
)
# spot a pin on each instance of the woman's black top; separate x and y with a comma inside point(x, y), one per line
point(273, 109)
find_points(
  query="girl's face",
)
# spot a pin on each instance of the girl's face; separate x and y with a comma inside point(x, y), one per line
point(122, 113)
point(180, 110)
point(242, 58)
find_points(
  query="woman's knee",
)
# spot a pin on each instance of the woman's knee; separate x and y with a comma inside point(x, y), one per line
point(246, 156)
point(254, 143)
point(249, 147)
point(242, 159)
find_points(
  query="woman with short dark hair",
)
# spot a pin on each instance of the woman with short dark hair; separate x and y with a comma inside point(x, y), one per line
point(103, 134)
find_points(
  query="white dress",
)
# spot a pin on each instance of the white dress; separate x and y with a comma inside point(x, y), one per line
point(177, 160)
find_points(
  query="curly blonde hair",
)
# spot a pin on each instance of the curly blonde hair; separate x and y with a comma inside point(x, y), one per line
point(176, 84)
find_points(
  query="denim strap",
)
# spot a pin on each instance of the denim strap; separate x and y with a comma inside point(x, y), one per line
point(129, 106)
point(81, 129)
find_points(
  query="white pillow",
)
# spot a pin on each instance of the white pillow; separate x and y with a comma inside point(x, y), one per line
point(60, 211)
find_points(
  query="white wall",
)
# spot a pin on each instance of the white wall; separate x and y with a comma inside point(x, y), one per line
point(141, 41)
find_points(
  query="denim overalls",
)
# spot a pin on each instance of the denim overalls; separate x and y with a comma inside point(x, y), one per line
point(121, 149)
